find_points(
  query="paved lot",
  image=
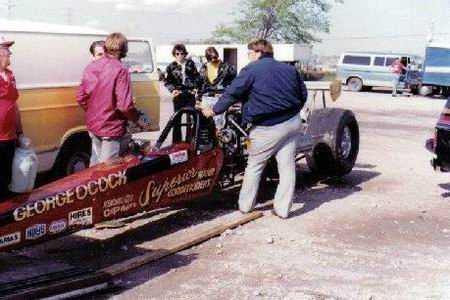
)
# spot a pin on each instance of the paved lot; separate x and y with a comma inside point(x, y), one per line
point(381, 232)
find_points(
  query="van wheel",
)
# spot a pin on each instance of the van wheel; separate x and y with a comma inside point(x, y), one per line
point(73, 157)
point(355, 84)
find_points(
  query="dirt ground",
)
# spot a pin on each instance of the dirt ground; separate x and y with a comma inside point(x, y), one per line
point(381, 232)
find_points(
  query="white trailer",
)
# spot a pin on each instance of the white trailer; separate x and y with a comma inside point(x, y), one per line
point(235, 54)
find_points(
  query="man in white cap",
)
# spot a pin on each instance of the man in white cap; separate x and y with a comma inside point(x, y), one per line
point(10, 122)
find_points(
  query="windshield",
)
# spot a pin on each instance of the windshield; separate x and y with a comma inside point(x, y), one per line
point(139, 57)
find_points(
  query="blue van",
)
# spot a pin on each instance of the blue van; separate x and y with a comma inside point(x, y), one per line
point(364, 70)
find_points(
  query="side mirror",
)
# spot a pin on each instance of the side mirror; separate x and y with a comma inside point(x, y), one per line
point(335, 90)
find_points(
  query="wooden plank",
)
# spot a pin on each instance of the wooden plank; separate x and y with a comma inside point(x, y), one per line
point(106, 274)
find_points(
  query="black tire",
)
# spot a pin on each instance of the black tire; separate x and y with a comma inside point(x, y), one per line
point(74, 156)
point(336, 142)
point(355, 84)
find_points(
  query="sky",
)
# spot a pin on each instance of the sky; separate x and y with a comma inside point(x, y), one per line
point(366, 25)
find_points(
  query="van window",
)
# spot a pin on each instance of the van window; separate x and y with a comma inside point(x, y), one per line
point(357, 60)
point(379, 61)
point(139, 57)
point(390, 60)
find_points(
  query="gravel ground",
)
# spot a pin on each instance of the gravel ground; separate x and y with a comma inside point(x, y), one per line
point(382, 232)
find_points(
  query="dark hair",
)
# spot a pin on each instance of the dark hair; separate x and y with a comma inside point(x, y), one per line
point(116, 44)
point(179, 48)
point(95, 45)
point(211, 52)
point(261, 45)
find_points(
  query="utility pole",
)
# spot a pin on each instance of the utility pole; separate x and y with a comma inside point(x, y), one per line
point(69, 15)
point(9, 6)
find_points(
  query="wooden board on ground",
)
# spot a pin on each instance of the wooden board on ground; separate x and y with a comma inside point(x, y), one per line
point(152, 252)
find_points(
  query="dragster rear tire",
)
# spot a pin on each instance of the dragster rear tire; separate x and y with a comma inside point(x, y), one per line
point(336, 142)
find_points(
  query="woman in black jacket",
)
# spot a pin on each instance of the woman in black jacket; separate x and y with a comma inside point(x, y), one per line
point(215, 75)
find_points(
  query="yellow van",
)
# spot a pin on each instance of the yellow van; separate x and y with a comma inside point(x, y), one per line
point(48, 61)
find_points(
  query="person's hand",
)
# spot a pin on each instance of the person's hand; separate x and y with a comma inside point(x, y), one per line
point(145, 126)
point(208, 112)
point(176, 93)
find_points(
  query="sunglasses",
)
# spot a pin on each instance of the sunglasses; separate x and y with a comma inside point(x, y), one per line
point(213, 58)
point(180, 54)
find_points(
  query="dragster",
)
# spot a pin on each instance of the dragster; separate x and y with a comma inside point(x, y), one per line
point(209, 155)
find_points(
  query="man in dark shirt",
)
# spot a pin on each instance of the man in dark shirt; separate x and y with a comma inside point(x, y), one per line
point(273, 94)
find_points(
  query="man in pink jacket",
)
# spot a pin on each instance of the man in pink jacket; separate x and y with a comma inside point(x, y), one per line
point(105, 95)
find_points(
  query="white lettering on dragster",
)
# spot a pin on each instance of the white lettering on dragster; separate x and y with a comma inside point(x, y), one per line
point(189, 182)
point(78, 193)
point(82, 217)
point(36, 231)
point(118, 205)
point(57, 226)
point(9, 239)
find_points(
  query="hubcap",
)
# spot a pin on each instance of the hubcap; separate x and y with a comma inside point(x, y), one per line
point(354, 85)
point(346, 142)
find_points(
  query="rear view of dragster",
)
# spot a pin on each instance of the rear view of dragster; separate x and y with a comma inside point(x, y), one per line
point(210, 154)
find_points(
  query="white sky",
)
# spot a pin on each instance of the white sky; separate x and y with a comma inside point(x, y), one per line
point(381, 25)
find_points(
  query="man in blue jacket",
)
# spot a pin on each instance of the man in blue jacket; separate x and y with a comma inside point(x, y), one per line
point(273, 94)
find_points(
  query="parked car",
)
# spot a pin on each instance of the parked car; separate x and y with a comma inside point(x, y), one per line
point(364, 70)
point(439, 145)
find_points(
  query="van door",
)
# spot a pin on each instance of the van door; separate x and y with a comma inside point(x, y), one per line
point(379, 71)
point(389, 76)
point(139, 61)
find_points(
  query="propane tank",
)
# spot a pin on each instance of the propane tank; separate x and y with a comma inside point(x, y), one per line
point(24, 168)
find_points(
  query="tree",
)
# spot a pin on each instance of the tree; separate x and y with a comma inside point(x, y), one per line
point(290, 21)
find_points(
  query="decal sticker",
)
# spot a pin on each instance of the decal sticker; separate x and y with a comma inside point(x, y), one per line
point(81, 217)
point(57, 226)
point(189, 182)
point(178, 157)
point(119, 205)
point(36, 231)
point(79, 193)
point(9, 239)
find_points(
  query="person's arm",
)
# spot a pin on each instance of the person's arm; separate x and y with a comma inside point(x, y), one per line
point(169, 82)
point(124, 99)
point(19, 128)
point(303, 89)
point(235, 91)
point(82, 94)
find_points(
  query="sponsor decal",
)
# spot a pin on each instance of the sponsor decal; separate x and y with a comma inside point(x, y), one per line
point(81, 217)
point(36, 231)
point(188, 182)
point(79, 193)
point(57, 226)
point(178, 157)
point(119, 205)
point(9, 239)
